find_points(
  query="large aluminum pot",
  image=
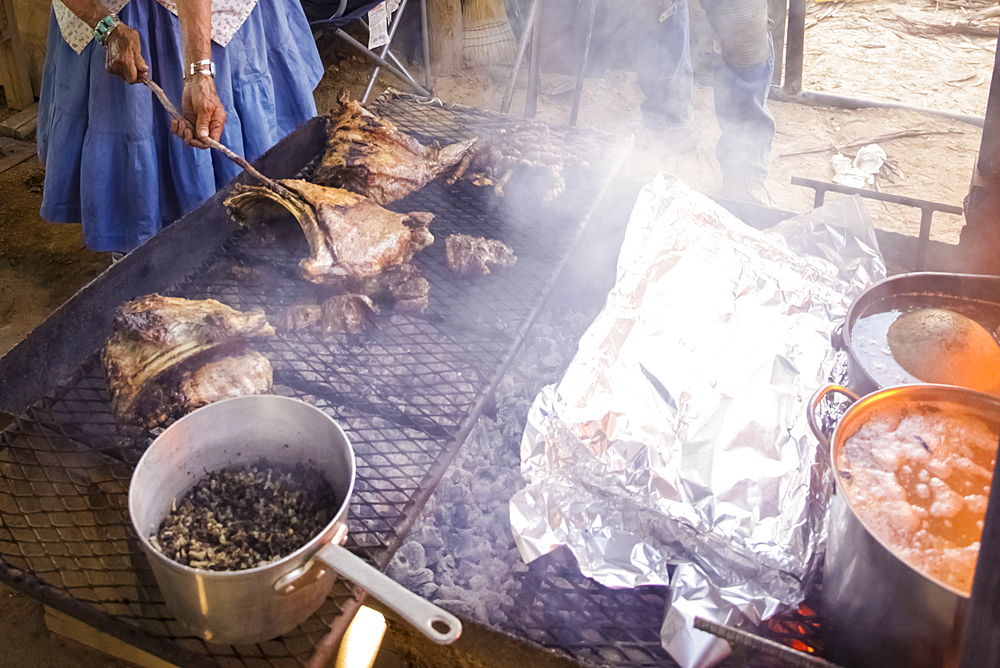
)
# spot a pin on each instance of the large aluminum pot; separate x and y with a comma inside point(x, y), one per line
point(878, 611)
point(249, 606)
point(933, 287)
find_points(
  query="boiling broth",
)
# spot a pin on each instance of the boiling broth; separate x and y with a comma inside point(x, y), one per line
point(918, 476)
point(868, 335)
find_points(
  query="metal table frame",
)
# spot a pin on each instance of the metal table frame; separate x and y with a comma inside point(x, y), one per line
point(183, 255)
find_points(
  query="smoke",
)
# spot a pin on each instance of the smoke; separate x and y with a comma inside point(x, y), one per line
point(461, 552)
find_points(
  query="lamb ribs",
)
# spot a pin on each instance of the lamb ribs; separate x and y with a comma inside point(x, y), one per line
point(359, 252)
point(168, 355)
point(349, 235)
point(368, 155)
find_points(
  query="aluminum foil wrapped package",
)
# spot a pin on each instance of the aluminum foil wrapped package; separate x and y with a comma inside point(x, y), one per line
point(675, 449)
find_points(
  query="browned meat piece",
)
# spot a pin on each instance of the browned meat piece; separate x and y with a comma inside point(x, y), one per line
point(370, 156)
point(154, 334)
point(401, 285)
point(212, 376)
point(347, 313)
point(299, 317)
point(497, 157)
point(349, 236)
point(474, 256)
point(404, 287)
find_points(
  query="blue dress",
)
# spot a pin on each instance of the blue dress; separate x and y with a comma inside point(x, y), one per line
point(110, 160)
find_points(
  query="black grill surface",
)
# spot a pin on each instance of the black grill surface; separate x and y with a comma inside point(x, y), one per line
point(406, 391)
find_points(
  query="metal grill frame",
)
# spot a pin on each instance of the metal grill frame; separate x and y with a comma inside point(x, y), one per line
point(65, 431)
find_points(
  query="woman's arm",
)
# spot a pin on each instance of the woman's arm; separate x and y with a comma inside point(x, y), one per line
point(124, 57)
point(203, 112)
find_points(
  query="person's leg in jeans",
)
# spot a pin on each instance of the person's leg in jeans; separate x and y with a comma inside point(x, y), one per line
point(664, 70)
point(742, 81)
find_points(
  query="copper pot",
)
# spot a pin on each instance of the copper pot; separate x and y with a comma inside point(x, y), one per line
point(878, 610)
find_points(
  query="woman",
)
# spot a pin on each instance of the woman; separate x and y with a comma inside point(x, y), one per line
point(243, 70)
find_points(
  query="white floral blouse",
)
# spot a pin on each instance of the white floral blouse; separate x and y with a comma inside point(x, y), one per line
point(227, 17)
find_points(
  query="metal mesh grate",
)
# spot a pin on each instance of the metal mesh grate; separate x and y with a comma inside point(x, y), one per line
point(406, 391)
point(558, 607)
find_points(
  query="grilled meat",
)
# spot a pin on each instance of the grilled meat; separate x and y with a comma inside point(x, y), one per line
point(349, 236)
point(220, 373)
point(368, 155)
point(154, 334)
point(497, 157)
point(347, 313)
point(401, 286)
point(404, 288)
point(299, 317)
point(469, 256)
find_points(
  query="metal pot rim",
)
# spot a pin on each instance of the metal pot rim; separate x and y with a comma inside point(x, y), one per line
point(866, 405)
point(889, 285)
point(302, 554)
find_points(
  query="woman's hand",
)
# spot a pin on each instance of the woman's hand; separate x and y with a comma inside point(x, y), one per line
point(124, 55)
point(204, 114)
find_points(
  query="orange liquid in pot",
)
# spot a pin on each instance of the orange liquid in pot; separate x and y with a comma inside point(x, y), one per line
point(918, 476)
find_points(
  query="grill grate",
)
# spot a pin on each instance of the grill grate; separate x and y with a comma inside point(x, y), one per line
point(557, 607)
point(406, 391)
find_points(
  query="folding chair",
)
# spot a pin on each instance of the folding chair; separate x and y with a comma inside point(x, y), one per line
point(531, 33)
point(348, 12)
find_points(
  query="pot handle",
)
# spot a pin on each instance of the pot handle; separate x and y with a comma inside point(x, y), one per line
point(837, 337)
point(437, 624)
point(812, 415)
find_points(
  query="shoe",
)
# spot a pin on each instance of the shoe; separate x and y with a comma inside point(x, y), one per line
point(746, 192)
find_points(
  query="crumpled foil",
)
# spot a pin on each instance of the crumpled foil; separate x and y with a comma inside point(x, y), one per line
point(675, 449)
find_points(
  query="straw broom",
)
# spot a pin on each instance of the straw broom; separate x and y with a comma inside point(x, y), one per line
point(487, 36)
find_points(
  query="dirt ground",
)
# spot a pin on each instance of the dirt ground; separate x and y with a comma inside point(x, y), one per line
point(864, 48)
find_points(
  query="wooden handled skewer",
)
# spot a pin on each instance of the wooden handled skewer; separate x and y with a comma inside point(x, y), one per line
point(239, 160)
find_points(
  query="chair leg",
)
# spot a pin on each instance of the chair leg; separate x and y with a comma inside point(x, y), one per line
point(534, 69)
point(385, 52)
point(425, 36)
point(508, 94)
point(578, 93)
point(379, 60)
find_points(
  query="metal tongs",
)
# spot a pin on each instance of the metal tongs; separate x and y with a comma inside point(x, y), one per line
point(239, 160)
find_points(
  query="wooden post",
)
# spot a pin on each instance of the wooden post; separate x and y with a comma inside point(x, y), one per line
point(446, 35)
point(13, 68)
point(980, 238)
point(981, 637)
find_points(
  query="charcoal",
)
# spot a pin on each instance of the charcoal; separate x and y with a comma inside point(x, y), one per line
point(464, 531)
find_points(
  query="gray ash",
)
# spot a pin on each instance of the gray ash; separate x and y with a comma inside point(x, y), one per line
point(461, 552)
point(245, 517)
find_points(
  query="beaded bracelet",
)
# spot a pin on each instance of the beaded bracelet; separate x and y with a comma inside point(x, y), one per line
point(104, 28)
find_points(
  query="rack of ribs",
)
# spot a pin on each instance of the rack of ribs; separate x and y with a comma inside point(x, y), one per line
point(369, 155)
point(168, 355)
point(349, 235)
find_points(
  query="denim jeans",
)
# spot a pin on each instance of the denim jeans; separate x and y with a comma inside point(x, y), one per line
point(665, 77)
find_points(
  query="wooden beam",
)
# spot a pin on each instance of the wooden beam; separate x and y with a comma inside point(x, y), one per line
point(74, 629)
point(445, 17)
point(980, 238)
point(13, 152)
point(22, 124)
point(989, 148)
point(13, 67)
